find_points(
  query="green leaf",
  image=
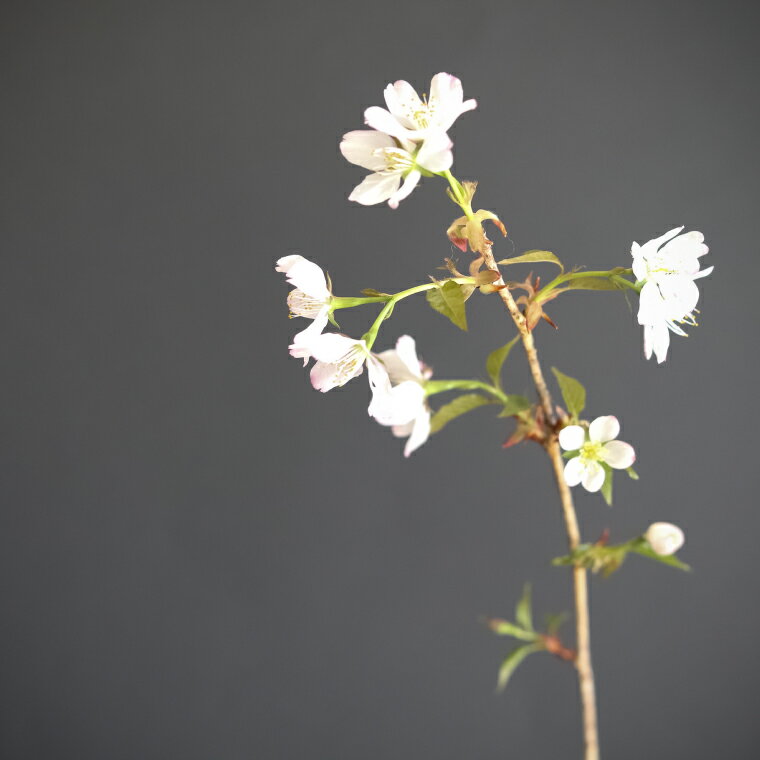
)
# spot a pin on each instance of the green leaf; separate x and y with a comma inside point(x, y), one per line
point(496, 359)
point(591, 283)
point(523, 612)
point(645, 550)
point(514, 405)
point(573, 393)
point(606, 489)
point(554, 622)
point(459, 406)
point(514, 658)
point(505, 628)
point(533, 255)
point(448, 299)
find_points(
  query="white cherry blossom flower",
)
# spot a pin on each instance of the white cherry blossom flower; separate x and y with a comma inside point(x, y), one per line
point(665, 538)
point(410, 118)
point(401, 403)
point(596, 446)
point(339, 359)
point(310, 298)
point(668, 266)
point(391, 163)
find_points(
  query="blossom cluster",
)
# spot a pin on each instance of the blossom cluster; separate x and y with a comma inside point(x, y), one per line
point(408, 139)
point(396, 377)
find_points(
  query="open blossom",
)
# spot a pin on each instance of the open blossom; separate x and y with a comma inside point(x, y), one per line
point(339, 359)
point(410, 118)
point(391, 164)
point(310, 298)
point(401, 402)
point(596, 446)
point(668, 266)
point(664, 538)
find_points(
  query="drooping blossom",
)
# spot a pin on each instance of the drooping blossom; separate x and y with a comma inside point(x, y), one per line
point(665, 538)
point(410, 118)
point(310, 298)
point(339, 359)
point(390, 163)
point(668, 266)
point(597, 445)
point(401, 403)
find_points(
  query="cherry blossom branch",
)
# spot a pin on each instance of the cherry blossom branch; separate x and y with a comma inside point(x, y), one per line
point(583, 663)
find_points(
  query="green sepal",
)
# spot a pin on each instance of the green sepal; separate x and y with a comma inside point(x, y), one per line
point(513, 659)
point(448, 299)
point(496, 360)
point(332, 320)
point(459, 406)
point(533, 256)
point(573, 393)
point(570, 454)
point(632, 474)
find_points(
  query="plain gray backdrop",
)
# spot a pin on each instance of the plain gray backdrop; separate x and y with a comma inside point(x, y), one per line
point(200, 556)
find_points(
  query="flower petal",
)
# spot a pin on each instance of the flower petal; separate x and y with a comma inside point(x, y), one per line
point(330, 347)
point(304, 275)
point(435, 154)
point(403, 102)
point(572, 437)
point(375, 188)
point(380, 119)
point(657, 338)
point(407, 353)
point(618, 454)
point(397, 405)
point(420, 433)
point(447, 99)
point(604, 429)
point(575, 469)
point(360, 146)
point(593, 477)
point(410, 182)
point(302, 343)
point(402, 431)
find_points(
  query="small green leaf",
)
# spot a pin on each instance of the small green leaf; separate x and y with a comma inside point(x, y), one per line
point(632, 474)
point(505, 628)
point(457, 407)
point(523, 612)
point(554, 622)
point(606, 489)
point(514, 658)
point(591, 283)
point(533, 255)
point(448, 299)
point(645, 550)
point(573, 393)
point(496, 359)
point(514, 405)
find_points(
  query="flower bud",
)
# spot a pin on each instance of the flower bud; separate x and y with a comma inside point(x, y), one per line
point(664, 538)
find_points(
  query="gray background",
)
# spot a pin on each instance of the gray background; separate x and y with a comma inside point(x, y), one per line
point(202, 557)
